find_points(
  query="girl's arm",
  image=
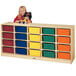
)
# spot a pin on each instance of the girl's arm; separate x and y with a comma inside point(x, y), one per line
point(15, 19)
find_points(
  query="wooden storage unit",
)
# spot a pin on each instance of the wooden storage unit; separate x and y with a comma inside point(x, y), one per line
point(48, 42)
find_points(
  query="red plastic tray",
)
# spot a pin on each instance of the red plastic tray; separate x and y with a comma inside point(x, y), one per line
point(7, 28)
point(8, 49)
point(8, 42)
point(8, 35)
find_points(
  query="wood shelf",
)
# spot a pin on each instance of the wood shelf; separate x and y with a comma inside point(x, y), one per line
point(41, 26)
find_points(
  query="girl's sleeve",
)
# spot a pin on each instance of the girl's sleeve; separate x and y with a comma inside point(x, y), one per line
point(16, 19)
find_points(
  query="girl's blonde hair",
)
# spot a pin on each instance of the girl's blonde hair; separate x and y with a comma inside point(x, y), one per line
point(23, 8)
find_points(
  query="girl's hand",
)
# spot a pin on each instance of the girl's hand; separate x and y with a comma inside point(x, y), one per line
point(21, 20)
point(29, 21)
point(27, 18)
point(17, 21)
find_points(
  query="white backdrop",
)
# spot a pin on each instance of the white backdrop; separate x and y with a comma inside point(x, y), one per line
point(43, 11)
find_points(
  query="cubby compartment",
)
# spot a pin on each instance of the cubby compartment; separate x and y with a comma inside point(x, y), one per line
point(7, 28)
point(62, 55)
point(21, 43)
point(47, 38)
point(65, 32)
point(34, 37)
point(61, 39)
point(61, 47)
point(35, 45)
point(21, 29)
point(21, 51)
point(48, 30)
point(48, 54)
point(34, 30)
point(8, 49)
point(8, 42)
point(35, 52)
point(49, 46)
point(8, 35)
point(21, 36)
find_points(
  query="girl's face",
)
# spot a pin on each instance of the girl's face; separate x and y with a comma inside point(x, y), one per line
point(22, 11)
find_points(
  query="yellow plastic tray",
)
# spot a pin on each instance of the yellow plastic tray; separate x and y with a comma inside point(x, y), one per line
point(35, 37)
point(35, 45)
point(35, 52)
point(34, 30)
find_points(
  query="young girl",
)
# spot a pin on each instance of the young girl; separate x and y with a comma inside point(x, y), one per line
point(23, 14)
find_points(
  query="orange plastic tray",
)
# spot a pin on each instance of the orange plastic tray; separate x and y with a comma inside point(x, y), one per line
point(63, 40)
point(63, 32)
point(63, 47)
point(63, 55)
